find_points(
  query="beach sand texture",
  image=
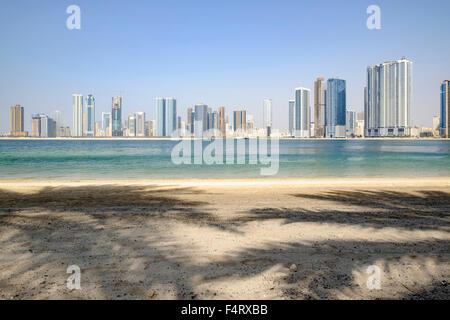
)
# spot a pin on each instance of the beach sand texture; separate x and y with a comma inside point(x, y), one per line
point(225, 239)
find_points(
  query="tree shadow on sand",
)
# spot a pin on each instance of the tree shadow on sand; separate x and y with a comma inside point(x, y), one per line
point(93, 227)
point(423, 210)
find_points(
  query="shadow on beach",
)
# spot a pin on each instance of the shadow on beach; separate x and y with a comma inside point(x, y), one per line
point(126, 239)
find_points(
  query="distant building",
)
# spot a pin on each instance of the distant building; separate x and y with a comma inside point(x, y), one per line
point(48, 127)
point(77, 115)
point(90, 116)
point(106, 124)
point(350, 123)
point(36, 126)
point(150, 128)
point(131, 126)
point(388, 99)
point(140, 124)
point(171, 116)
point(58, 121)
point(335, 109)
point(292, 117)
point(302, 114)
point(221, 121)
point(267, 115)
point(445, 108)
point(319, 107)
point(240, 121)
point(201, 119)
point(116, 117)
point(17, 122)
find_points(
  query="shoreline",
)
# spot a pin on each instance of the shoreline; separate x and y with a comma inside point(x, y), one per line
point(381, 181)
point(188, 138)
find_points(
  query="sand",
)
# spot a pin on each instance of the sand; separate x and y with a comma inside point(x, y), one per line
point(226, 239)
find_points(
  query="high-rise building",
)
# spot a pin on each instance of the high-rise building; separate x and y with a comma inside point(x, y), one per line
point(90, 116)
point(161, 115)
point(48, 126)
point(77, 130)
point(116, 117)
point(201, 119)
point(106, 124)
point(302, 114)
point(131, 126)
point(35, 125)
point(387, 99)
point(240, 121)
point(335, 109)
point(171, 116)
point(140, 124)
point(189, 122)
point(267, 115)
point(350, 123)
point(292, 117)
point(58, 122)
point(319, 107)
point(17, 126)
point(222, 124)
point(445, 103)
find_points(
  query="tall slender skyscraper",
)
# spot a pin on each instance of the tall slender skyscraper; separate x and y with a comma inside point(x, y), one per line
point(335, 109)
point(292, 117)
point(171, 116)
point(445, 108)
point(161, 114)
point(90, 116)
point(106, 123)
point(319, 107)
point(36, 125)
point(267, 115)
point(116, 117)
point(222, 124)
point(58, 122)
point(387, 99)
point(131, 126)
point(302, 114)
point(17, 127)
point(140, 124)
point(77, 130)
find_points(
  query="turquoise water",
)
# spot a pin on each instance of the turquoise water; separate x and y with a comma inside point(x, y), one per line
point(135, 159)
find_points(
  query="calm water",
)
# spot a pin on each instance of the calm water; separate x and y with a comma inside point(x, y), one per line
point(118, 159)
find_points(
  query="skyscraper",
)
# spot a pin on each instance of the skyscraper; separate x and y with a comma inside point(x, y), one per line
point(292, 117)
point(17, 127)
point(335, 109)
point(350, 123)
point(90, 116)
point(319, 107)
point(201, 119)
point(302, 114)
point(35, 125)
point(116, 117)
point(171, 116)
point(131, 126)
point(58, 122)
point(106, 123)
point(240, 121)
point(222, 124)
point(140, 124)
point(77, 130)
point(161, 117)
point(387, 99)
point(445, 102)
point(267, 115)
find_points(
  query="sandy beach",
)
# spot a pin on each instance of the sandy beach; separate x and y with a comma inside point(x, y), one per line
point(225, 239)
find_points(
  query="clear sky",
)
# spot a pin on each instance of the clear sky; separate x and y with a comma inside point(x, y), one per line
point(231, 53)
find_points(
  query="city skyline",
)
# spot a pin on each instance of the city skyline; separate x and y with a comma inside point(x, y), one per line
point(214, 71)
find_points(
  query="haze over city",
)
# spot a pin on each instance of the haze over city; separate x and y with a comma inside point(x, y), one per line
point(226, 53)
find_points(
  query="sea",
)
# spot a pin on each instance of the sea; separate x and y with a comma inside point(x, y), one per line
point(154, 159)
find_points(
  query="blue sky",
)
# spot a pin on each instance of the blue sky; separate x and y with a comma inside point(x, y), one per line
point(231, 53)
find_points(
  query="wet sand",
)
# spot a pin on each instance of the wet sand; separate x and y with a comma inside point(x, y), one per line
point(225, 239)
